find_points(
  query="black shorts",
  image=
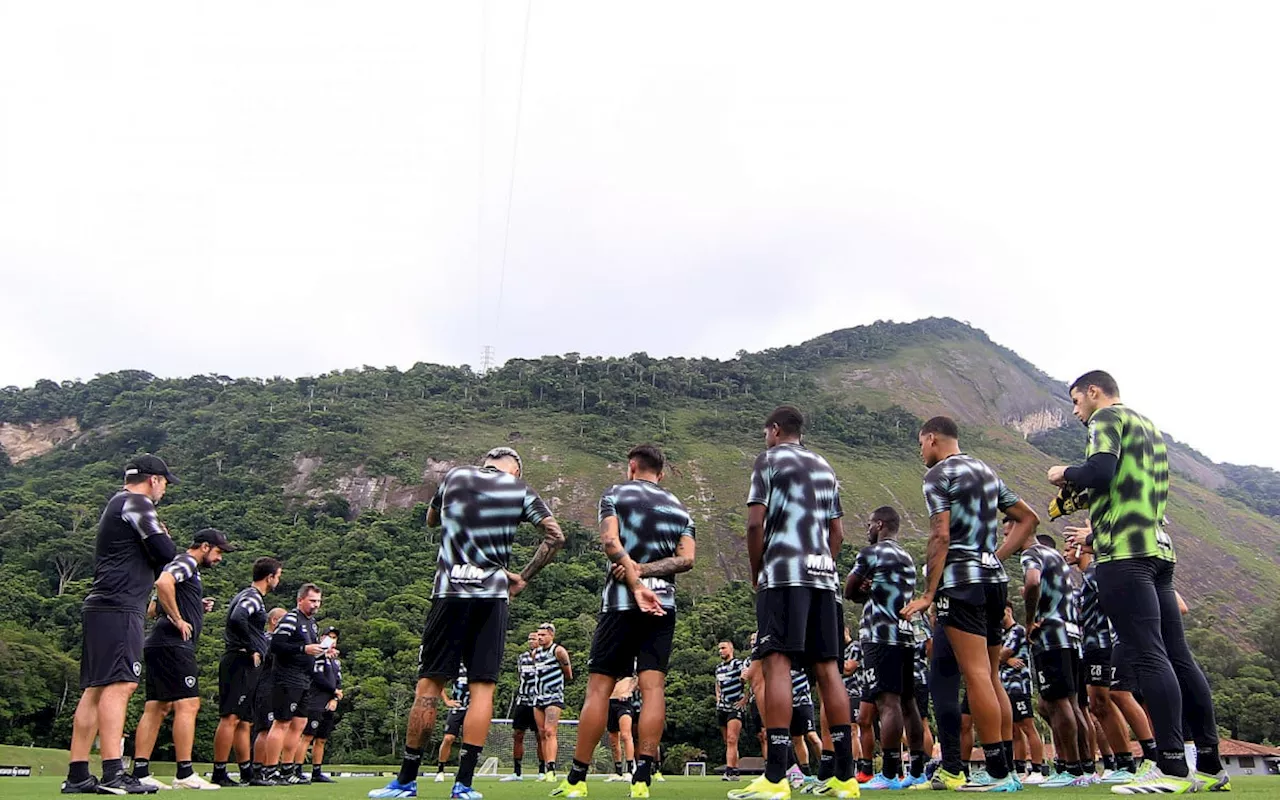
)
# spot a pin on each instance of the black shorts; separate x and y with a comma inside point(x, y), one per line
point(855, 702)
point(804, 623)
point(172, 673)
point(922, 701)
point(522, 719)
point(237, 683)
point(453, 723)
point(754, 718)
point(802, 720)
point(976, 608)
point(617, 710)
point(263, 715)
point(320, 726)
point(464, 631)
point(1097, 668)
point(111, 651)
point(890, 669)
point(1123, 678)
point(1021, 707)
point(1056, 672)
point(627, 643)
point(542, 704)
point(725, 716)
point(288, 701)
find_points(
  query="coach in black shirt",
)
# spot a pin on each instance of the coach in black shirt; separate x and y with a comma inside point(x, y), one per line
point(132, 546)
point(295, 644)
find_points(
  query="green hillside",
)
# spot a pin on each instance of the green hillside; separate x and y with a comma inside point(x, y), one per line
point(331, 473)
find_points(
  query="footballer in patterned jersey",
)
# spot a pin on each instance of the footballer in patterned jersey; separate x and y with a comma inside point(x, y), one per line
point(1015, 674)
point(731, 700)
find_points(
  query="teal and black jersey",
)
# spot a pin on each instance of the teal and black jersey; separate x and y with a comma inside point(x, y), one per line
point(892, 574)
point(801, 496)
point(923, 633)
point(550, 677)
point(975, 496)
point(651, 523)
point(1095, 628)
point(801, 691)
point(1017, 681)
point(1055, 613)
point(729, 679)
point(461, 690)
point(527, 667)
point(853, 683)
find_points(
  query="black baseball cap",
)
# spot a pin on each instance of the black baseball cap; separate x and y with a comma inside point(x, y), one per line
point(332, 630)
point(214, 537)
point(147, 464)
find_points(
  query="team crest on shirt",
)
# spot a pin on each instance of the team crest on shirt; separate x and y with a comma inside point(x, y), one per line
point(271, 716)
point(293, 707)
point(137, 668)
point(190, 680)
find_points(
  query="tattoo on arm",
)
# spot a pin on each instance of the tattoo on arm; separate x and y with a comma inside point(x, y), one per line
point(666, 567)
point(552, 541)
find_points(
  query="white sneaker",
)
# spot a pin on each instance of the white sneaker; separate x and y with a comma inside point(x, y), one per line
point(194, 781)
point(439, 777)
point(542, 777)
point(151, 780)
point(511, 777)
point(615, 778)
point(1034, 779)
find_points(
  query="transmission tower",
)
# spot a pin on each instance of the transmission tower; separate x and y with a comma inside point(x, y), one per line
point(486, 359)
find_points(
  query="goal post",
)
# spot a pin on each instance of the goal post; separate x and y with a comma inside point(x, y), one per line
point(500, 745)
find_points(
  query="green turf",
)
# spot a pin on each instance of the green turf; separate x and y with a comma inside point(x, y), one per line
point(355, 788)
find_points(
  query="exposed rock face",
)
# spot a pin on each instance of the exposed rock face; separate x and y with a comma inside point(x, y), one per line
point(363, 491)
point(23, 440)
point(1047, 419)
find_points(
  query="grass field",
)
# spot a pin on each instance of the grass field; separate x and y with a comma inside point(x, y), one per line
point(356, 788)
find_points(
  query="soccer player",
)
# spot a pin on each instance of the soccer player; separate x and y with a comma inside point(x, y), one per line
point(131, 546)
point(246, 646)
point(173, 677)
point(326, 693)
point(1054, 634)
point(804, 732)
point(965, 575)
point(883, 580)
point(522, 718)
point(1015, 674)
point(622, 713)
point(648, 535)
point(480, 509)
point(295, 645)
point(554, 670)
point(263, 716)
point(794, 534)
point(457, 706)
point(731, 699)
point(1127, 476)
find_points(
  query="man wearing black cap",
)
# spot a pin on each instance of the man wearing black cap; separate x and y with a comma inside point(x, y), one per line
point(131, 546)
point(173, 677)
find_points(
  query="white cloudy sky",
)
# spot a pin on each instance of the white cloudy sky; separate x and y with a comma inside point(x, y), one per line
point(291, 187)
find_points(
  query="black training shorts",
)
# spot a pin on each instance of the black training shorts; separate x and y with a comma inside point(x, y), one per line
point(1021, 707)
point(464, 631)
point(172, 673)
point(725, 716)
point(802, 720)
point(889, 669)
point(288, 701)
point(523, 720)
point(1097, 668)
point(453, 723)
point(1123, 678)
point(1056, 672)
point(976, 608)
point(321, 728)
point(631, 642)
point(237, 682)
point(617, 710)
point(111, 651)
point(802, 622)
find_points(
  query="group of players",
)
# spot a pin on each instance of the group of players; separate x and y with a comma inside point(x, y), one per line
point(794, 533)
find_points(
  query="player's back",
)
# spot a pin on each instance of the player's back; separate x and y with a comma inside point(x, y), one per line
point(802, 497)
point(974, 495)
point(1055, 610)
point(122, 571)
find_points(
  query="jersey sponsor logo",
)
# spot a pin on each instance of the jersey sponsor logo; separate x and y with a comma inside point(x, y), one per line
point(905, 626)
point(820, 564)
point(466, 574)
point(990, 561)
point(1163, 539)
point(656, 584)
point(190, 681)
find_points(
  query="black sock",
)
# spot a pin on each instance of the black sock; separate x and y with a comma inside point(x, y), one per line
point(409, 766)
point(1042, 767)
point(1171, 762)
point(997, 768)
point(258, 771)
point(78, 772)
point(286, 769)
point(551, 766)
point(246, 771)
point(185, 770)
point(1124, 761)
point(578, 772)
point(141, 768)
point(519, 766)
point(297, 769)
point(1149, 750)
point(1008, 753)
point(219, 770)
point(1207, 760)
point(617, 767)
point(1108, 761)
point(1075, 768)
point(776, 758)
point(918, 759)
point(1090, 767)
point(842, 742)
point(112, 769)
point(892, 766)
point(542, 767)
point(866, 766)
point(1059, 765)
point(315, 769)
point(439, 766)
point(826, 765)
point(467, 762)
point(644, 770)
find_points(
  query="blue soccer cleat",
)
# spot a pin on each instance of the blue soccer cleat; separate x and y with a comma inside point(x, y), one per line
point(396, 789)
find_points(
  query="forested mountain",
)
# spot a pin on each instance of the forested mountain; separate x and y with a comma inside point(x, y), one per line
point(331, 473)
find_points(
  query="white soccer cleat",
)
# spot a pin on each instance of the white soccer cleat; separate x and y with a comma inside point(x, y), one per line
point(615, 778)
point(194, 781)
point(439, 777)
point(1034, 779)
point(511, 778)
point(153, 782)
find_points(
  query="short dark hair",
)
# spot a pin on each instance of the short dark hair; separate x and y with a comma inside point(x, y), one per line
point(1103, 380)
point(134, 480)
point(265, 567)
point(307, 588)
point(788, 419)
point(649, 456)
point(941, 426)
point(1047, 540)
point(1008, 604)
point(888, 516)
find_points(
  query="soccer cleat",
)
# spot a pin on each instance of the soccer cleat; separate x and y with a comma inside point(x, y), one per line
point(194, 781)
point(1087, 779)
point(1143, 769)
point(1214, 783)
point(551, 776)
point(87, 786)
point(762, 789)
point(980, 776)
point(159, 785)
point(1059, 780)
point(616, 778)
point(881, 782)
point(908, 781)
point(542, 776)
point(1117, 777)
point(942, 781)
point(294, 780)
point(225, 780)
point(439, 777)
point(657, 776)
point(931, 767)
point(462, 792)
point(566, 789)
point(863, 777)
point(124, 783)
point(511, 778)
point(640, 791)
point(267, 780)
point(795, 777)
point(1156, 782)
point(394, 789)
point(1006, 784)
point(320, 777)
point(834, 787)
point(1034, 779)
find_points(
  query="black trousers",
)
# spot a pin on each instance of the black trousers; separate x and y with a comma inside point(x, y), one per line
point(1137, 595)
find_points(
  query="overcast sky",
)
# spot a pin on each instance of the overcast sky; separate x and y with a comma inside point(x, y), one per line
point(286, 188)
